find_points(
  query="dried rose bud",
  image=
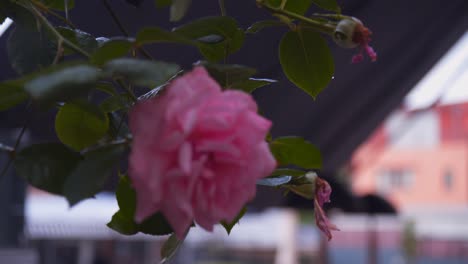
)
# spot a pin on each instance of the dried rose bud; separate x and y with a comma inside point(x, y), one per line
point(351, 33)
point(322, 196)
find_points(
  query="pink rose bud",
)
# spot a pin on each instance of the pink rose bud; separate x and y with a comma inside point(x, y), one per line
point(322, 196)
point(197, 152)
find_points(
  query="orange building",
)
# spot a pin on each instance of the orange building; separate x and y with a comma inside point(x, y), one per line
point(417, 159)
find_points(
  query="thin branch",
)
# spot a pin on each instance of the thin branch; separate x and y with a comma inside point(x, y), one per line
point(17, 142)
point(66, 8)
point(318, 25)
point(57, 34)
point(127, 89)
point(145, 53)
point(59, 53)
point(115, 17)
point(122, 28)
point(332, 16)
point(52, 13)
point(283, 4)
point(222, 7)
point(20, 135)
point(122, 118)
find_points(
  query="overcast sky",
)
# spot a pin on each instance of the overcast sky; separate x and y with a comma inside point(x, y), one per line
point(447, 80)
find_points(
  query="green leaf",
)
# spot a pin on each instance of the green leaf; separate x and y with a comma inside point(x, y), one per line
point(80, 38)
point(89, 176)
point(158, 35)
point(80, 124)
point(178, 9)
point(304, 186)
point(215, 37)
point(331, 5)
point(61, 5)
point(123, 224)
point(162, 3)
point(251, 84)
point(126, 197)
point(216, 52)
point(305, 190)
point(19, 14)
point(284, 177)
point(227, 74)
point(296, 6)
point(106, 87)
point(296, 151)
point(124, 221)
point(211, 39)
point(117, 127)
point(293, 180)
point(29, 49)
point(234, 76)
point(274, 181)
point(222, 26)
point(63, 83)
point(111, 49)
point(155, 225)
point(116, 102)
point(258, 26)
point(46, 166)
point(306, 60)
point(103, 40)
point(11, 94)
point(170, 247)
point(229, 226)
point(141, 72)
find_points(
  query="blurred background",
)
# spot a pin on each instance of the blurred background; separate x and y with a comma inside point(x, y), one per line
point(393, 134)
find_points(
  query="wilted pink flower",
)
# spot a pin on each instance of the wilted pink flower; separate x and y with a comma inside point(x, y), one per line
point(361, 36)
point(351, 33)
point(197, 152)
point(322, 196)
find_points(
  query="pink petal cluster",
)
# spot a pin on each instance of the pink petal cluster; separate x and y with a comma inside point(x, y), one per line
point(361, 36)
point(322, 196)
point(197, 152)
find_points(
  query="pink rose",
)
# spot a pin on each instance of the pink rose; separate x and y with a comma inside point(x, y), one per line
point(197, 152)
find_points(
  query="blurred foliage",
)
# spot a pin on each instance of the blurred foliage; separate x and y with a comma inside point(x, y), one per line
point(61, 68)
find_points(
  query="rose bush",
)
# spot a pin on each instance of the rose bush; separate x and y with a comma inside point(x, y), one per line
point(197, 152)
point(198, 149)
